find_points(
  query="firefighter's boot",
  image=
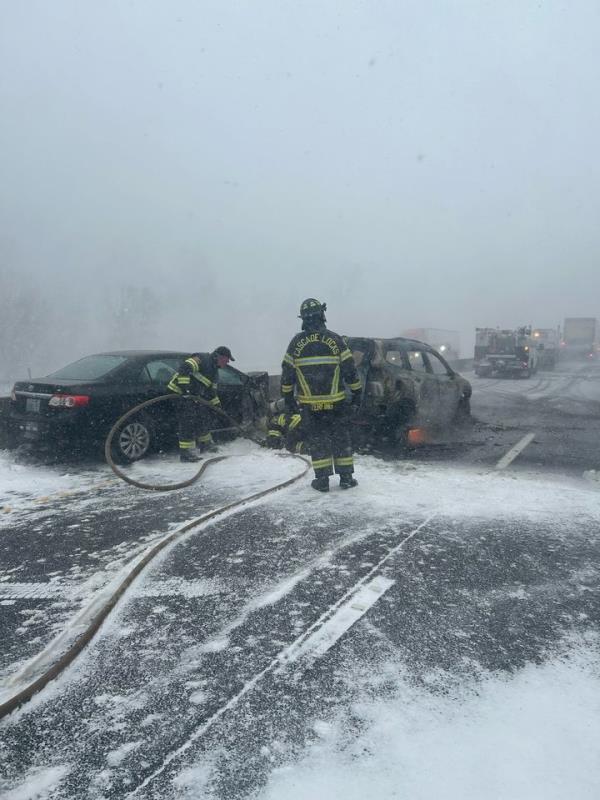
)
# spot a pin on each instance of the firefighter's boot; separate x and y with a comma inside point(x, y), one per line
point(188, 457)
point(347, 481)
point(209, 447)
point(206, 444)
point(321, 484)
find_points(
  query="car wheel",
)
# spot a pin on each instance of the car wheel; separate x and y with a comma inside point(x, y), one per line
point(132, 441)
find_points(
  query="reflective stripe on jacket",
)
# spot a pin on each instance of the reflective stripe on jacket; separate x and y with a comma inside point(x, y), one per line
point(198, 375)
point(318, 364)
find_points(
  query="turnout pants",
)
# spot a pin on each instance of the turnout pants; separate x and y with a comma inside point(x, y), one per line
point(193, 424)
point(329, 441)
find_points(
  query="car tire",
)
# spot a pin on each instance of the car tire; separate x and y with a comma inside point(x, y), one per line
point(132, 441)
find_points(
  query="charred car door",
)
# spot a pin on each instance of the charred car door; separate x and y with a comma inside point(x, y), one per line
point(427, 392)
point(449, 391)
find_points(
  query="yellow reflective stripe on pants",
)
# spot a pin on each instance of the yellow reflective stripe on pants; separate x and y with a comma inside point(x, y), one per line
point(274, 433)
point(185, 444)
point(354, 387)
point(345, 461)
point(287, 388)
point(206, 438)
point(295, 421)
point(322, 463)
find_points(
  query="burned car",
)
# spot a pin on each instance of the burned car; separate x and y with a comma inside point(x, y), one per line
point(77, 406)
point(406, 384)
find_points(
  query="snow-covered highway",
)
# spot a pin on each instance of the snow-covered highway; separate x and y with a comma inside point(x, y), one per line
point(432, 634)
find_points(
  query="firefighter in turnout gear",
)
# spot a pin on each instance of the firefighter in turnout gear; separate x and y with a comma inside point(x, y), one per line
point(316, 367)
point(198, 375)
point(286, 430)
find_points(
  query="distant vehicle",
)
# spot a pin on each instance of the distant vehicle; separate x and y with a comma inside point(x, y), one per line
point(580, 338)
point(78, 405)
point(445, 342)
point(547, 344)
point(406, 384)
point(508, 353)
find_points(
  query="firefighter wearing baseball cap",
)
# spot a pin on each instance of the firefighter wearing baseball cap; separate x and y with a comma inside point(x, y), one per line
point(198, 375)
point(316, 367)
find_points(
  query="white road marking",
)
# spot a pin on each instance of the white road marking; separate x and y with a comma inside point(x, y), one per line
point(344, 618)
point(515, 451)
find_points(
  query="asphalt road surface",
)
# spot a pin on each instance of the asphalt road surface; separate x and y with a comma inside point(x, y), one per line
point(258, 642)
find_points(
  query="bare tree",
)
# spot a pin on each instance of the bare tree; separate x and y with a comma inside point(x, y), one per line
point(23, 325)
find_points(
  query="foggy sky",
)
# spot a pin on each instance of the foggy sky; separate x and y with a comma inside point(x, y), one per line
point(413, 164)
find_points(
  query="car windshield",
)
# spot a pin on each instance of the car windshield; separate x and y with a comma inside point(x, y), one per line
point(89, 368)
point(502, 344)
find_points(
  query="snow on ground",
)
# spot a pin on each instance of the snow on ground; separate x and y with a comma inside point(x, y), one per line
point(40, 784)
point(512, 736)
point(532, 735)
point(24, 485)
point(401, 487)
point(90, 561)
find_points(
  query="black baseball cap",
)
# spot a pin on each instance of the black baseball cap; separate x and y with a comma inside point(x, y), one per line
point(224, 351)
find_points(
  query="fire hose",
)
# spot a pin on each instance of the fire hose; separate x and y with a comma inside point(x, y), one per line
point(156, 487)
point(52, 661)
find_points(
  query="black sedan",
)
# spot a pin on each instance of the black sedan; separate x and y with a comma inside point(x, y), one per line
point(77, 406)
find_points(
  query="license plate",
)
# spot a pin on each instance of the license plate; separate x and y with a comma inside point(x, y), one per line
point(32, 404)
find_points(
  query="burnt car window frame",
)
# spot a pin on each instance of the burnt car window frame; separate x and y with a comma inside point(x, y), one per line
point(423, 353)
point(431, 358)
